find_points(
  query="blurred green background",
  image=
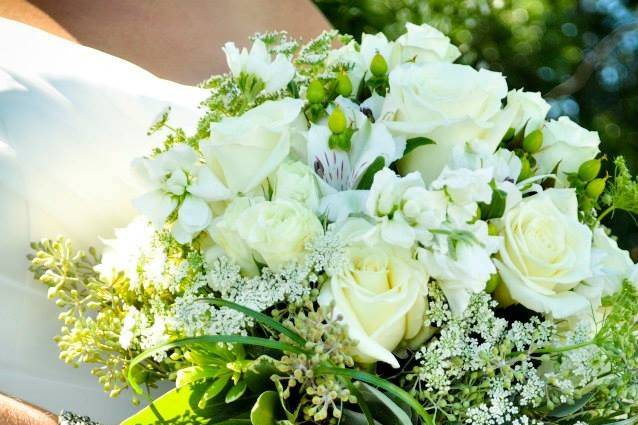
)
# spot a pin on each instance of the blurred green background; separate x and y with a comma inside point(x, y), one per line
point(581, 54)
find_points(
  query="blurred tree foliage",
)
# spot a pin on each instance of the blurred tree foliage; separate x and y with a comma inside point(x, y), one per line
point(581, 54)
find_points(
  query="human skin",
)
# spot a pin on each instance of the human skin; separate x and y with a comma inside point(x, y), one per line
point(175, 39)
point(18, 412)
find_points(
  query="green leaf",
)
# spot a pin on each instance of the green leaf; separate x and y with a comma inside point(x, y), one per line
point(496, 207)
point(203, 340)
point(568, 409)
point(630, 421)
point(412, 144)
point(264, 410)
point(361, 402)
point(179, 405)
point(368, 177)
point(351, 417)
point(214, 389)
point(236, 391)
point(386, 411)
point(383, 384)
point(191, 374)
point(259, 317)
point(257, 377)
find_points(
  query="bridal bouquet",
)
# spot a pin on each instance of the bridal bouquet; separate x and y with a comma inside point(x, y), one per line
point(363, 234)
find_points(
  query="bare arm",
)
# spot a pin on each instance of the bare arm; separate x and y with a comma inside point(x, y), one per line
point(17, 412)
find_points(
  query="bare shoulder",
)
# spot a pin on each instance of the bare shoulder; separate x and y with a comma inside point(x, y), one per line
point(178, 40)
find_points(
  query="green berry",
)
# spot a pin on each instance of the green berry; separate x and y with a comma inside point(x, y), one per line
point(344, 85)
point(526, 169)
point(341, 142)
point(494, 281)
point(595, 188)
point(589, 170)
point(337, 122)
point(316, 93)
point(492, 230)
point(533, 142)
point(378, 66)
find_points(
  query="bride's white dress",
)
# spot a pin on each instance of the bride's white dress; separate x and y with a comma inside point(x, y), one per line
point(71, 120)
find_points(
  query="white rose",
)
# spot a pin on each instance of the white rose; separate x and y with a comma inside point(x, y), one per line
point(448, 103)
point(278, 231)
point(381, 297)
point(530, 110)
point(224, 231)
point(546, 253)
point(247, 149)
point(275, 74)
point(297, 182)
point(610, 267)
point(567, 145)
point(423, 43)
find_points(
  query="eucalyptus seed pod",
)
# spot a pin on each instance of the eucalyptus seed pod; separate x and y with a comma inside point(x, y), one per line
point(533, 142)
point(589, 170)
point(316, 93)
point(378, 65)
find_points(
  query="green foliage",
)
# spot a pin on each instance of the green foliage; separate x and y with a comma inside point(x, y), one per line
point(622, 193)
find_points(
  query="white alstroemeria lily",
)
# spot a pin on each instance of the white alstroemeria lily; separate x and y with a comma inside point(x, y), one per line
point(343, 170)
point(178, 178)
point(275, 74)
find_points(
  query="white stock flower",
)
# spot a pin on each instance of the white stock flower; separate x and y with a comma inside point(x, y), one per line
point(278, 231)
point(450, 104)
point(465, 188)
point(460, 261)
point(275, 74)
point(248, 148)
point(380, 297)
point(297, 182)
point(530, 110)
point(567, 145)
point(177, 177)
point(546, 253)
point(423, 43)
point(405, 209)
